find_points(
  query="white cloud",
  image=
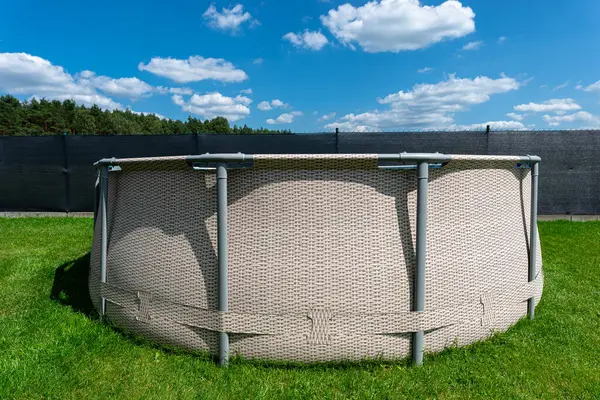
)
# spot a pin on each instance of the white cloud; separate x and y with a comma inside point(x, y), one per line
point(89, 100)
point(229, 19)
point(195, 68)
point(378, 120)
point(178, 99)
point(473, 45)
point(257, 61)
point(454, 91)
point(246, 91)
point(286, 118)
point(352, 126)
point(327, 117)
point(505, 125)
point(501, 39)
point(494, 125)
point(87, 74)
point(25, 74)
point(313, 40)
point(515, 116)
point(581, 116)
point(424, 70)
point(214, 104)
point(561, 86)
point(278, 103)
point(176, 90)
point(159, 116)
point(428, 105)
point(552, 105)
point(275, 103)
point(594, 87)
point(123, 87)
point(397, 25)
point(127, 87)
point(243, 100)
point(264, 106)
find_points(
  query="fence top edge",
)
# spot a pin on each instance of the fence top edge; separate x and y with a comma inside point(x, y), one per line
point(478, 131)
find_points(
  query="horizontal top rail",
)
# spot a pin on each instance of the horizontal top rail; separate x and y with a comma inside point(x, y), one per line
point(391, 157)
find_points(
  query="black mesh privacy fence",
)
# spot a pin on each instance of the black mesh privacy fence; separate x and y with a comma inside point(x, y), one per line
point(55, 173)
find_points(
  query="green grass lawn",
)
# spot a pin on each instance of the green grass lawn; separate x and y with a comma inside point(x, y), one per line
point(52, 345)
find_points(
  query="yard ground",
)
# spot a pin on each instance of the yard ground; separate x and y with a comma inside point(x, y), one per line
point(53, 346)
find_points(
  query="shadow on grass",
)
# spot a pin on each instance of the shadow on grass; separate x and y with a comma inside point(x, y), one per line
point(70, 286)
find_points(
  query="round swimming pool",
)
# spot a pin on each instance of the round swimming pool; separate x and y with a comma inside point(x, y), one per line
point(316, 257)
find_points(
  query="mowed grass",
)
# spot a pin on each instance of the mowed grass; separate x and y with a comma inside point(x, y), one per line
point(53, 346)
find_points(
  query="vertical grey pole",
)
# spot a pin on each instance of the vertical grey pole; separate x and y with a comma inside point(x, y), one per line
point(535, 171)
point(96, 196)
point(222, 250)
point(419, 284)
point(104, 231)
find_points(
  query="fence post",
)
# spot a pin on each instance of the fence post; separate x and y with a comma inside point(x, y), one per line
point(535, 170)
point(66, 167)
point(104, 232)
point(222, 251)
point(337, 142)
point(487, 140)
point(419, 283)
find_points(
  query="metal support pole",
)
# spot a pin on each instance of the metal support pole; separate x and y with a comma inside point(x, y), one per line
point(419, 283)
point(222, 250)
point(535, 171)
point(96, 196)
point(104, 232)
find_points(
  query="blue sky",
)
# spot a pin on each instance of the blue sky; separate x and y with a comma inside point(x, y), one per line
point(314, 65)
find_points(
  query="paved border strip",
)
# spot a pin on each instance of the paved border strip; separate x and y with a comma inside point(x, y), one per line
point(45, 214)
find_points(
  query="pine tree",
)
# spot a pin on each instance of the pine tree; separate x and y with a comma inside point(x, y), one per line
point(44, 117)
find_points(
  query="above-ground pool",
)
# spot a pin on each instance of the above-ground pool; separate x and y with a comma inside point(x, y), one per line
point(316, 257)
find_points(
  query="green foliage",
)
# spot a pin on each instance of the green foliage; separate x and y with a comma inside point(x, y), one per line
point(44, 117)
point(52, 347)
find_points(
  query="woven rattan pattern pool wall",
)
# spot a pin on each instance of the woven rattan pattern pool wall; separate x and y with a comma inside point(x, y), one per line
point(321, 255)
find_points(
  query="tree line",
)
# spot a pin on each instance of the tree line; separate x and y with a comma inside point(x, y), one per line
point(51, 117)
